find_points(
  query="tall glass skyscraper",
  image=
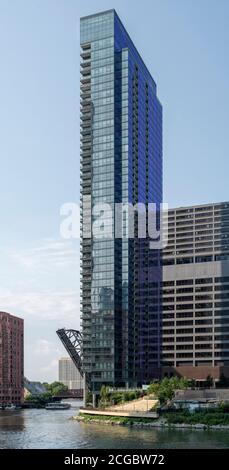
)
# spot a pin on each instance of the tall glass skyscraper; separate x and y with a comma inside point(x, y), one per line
point(121, 162)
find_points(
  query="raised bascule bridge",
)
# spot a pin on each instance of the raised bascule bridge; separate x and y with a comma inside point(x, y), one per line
point(72, 340)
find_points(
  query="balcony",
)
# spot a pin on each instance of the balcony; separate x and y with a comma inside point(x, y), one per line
point(87, 54)
point(86, 47)
point(85, 81)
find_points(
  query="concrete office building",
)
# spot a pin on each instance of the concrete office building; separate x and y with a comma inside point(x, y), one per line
point(11, 359)
point(69, 374)
point(121, 162)
point(195, 331)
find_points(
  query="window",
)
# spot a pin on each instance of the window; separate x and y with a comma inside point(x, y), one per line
point(221, 279)
point(224, 257)
point(207, 280)
point(184, 260)
point(203, 259)
point(184, 282)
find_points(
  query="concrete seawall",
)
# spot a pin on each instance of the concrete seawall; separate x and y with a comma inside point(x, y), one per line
point(120, 413)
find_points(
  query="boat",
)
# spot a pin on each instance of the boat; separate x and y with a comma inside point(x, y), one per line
point(57, 406)
point(10, 407)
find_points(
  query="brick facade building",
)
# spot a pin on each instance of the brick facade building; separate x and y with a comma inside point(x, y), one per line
point(11, 359)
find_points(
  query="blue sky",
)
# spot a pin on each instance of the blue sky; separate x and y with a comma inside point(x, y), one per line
point(186, 47)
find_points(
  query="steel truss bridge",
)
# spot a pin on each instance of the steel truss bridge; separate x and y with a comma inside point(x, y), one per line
point(73, 343)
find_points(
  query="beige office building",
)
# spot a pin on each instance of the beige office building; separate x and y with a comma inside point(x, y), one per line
point(195, 293)
point(69, 374)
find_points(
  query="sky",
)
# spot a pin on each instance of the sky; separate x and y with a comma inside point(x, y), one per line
point(185, 45)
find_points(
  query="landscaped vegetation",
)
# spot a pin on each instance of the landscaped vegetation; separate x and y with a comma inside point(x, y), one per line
point(165, 389)
point(164, 392)
point(211, 417)
point(108, 397)
point(113, 419)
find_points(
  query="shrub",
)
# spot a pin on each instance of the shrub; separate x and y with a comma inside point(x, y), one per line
point(89, 398)
point(117, 398)
point(105, 396)
point(207, 417)
point(224, 407)
point(128, 396)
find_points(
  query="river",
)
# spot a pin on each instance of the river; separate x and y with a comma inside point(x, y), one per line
point(33, 429)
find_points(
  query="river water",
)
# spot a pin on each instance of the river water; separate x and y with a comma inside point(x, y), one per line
point(33, 429)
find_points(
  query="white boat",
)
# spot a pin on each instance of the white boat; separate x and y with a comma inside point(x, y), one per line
point(10, 407)
point(57, 406)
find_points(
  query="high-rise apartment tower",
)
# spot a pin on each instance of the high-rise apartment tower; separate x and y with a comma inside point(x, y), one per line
point(121, 162)
point(11, 359)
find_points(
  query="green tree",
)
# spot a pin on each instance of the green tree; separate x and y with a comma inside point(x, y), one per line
point(45, 397)
point(165, 390)
point(31, 399)
point(117, 398)
point(56, 388)
point(183, 383)
point(209, 381)
point(46, 385)
point(39, 399)
point(153, 389)
point(224, 381)
point(192, 383)
point(89, 398)
point(104, 395)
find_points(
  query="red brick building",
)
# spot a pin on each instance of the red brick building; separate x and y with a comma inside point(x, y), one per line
point(11, 359)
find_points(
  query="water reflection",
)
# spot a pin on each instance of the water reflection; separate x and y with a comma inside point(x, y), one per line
point(55, 429)
point(12, 420)
point(132, 438)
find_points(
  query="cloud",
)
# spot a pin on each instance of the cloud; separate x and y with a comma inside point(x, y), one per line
point(47, 255)
point(43, 281)
point(50, 368)
point(42, 363)
point(40, 283)
point(43, 347)
point(50, 305)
